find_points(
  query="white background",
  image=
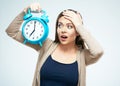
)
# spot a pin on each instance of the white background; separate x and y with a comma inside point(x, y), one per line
point(101, 18)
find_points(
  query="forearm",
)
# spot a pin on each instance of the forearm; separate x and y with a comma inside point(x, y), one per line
point(93, 46)
point(13, 29)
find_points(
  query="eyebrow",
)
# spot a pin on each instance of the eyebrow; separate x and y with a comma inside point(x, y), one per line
point(66, 23)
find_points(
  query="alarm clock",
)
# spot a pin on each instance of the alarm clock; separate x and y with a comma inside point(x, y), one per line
point(35, 28)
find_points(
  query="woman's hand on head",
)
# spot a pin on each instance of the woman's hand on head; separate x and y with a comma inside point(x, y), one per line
point(34, 7)
point(75, 18)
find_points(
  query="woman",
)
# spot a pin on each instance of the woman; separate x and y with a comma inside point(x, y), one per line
point(61, 62)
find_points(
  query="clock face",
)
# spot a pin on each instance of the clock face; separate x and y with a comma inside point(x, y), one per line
point(33, 30)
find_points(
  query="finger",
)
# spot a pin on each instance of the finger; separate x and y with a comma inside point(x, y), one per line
point(68, 18)
point(39, 8)
point(25, 10)
point(80, 17)
point(35, 7)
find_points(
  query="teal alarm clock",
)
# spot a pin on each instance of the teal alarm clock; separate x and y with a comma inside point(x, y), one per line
point(35, 29)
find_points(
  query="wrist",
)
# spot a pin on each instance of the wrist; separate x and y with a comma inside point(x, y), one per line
point(78, 27)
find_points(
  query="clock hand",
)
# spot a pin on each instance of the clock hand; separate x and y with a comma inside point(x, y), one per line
point(34, 28)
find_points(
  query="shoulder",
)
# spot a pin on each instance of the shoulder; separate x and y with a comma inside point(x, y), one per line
point(48, 43)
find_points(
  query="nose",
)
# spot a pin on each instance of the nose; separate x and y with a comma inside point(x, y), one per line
point(63, 30)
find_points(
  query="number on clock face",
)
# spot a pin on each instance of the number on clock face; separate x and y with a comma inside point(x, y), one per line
point(34, 30)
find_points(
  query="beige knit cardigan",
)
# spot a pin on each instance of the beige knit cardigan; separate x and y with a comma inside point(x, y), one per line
point(84, 56)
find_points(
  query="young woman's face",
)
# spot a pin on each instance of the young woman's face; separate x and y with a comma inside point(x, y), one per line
point(66, 31)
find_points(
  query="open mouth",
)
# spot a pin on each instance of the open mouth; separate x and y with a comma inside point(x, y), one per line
point(63, 37)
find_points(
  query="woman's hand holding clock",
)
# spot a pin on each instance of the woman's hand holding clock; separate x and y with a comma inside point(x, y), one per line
point(35, 7)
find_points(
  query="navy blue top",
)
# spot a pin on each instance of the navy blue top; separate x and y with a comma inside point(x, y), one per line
point(54, 73)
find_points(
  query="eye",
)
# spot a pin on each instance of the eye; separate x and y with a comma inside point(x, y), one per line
point(60, 25)
point(70, 26)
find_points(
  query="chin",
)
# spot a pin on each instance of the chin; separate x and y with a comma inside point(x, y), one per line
point(63, 43)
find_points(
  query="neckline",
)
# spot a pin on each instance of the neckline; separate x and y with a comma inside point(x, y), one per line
point(62, 62)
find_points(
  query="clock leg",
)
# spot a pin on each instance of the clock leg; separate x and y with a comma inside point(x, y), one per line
point(24, 42)
point(40, 44)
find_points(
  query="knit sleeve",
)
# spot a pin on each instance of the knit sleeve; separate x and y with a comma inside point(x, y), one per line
point(13, 30)
point(93, 50)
